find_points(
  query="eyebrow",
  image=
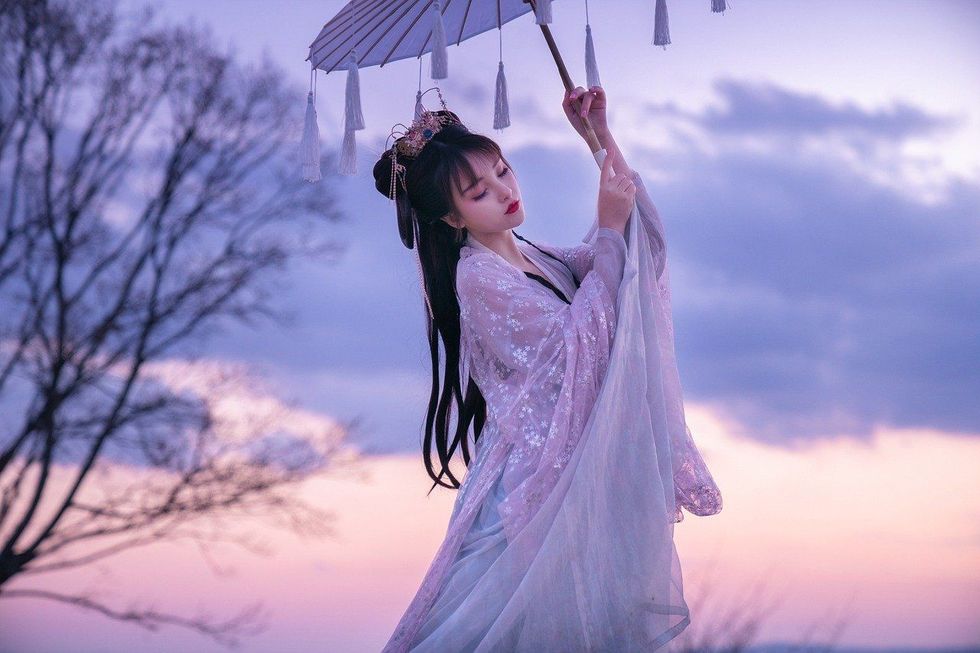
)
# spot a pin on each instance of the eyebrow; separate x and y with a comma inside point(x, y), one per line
point(478, 179)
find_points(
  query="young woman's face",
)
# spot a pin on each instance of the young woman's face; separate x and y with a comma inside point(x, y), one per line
point(482, 208)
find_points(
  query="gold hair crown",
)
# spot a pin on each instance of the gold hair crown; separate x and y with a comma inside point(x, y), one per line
point(411, 141)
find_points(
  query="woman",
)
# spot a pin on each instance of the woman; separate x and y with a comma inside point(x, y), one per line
point(561, 537)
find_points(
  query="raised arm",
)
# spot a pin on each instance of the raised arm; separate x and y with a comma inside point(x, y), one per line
point(592, 102)
point(608, 142)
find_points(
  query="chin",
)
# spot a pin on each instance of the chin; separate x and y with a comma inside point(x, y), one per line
point(517, 218)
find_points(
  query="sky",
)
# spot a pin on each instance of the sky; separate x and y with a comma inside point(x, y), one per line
point(818, 172)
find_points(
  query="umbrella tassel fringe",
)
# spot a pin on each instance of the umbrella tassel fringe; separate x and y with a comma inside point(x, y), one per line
point(718, 6)
point(352, 99)
point(348, 153)
point(591, 67)
point(661, 30)
point(501, 107)
point(440, 58)
point(310, 144)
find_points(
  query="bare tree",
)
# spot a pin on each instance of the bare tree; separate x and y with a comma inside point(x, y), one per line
point(148, 196)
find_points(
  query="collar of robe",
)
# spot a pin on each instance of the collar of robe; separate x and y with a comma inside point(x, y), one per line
point(472, 246)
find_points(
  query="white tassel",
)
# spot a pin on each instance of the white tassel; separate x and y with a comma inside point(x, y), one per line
point(439, 59)
point(418, 105)
point(661, 31)
point(501, 108)
point(718, 5)
point(591, 68)
point(542, 12)
point(310, 145)
point(352, 99)
point(348, 154)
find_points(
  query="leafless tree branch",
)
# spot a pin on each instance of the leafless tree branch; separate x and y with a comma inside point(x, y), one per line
point(227, 632)
point(149, 196)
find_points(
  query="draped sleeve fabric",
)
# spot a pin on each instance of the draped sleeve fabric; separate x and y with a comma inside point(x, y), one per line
point(694, 487)
point(578, 258)
point(538, 361)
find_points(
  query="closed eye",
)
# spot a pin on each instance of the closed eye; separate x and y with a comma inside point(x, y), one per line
point(480, 196)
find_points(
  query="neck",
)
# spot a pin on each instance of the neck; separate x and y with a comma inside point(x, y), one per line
point(502, 242)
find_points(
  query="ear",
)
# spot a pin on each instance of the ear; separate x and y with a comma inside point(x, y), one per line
point(451, 219)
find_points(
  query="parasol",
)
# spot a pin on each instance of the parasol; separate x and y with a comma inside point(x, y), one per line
point(377, 32)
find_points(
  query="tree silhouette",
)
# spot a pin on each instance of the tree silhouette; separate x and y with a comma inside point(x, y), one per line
point(147, 198)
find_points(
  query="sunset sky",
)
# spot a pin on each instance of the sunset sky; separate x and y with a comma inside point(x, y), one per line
point(817, 166)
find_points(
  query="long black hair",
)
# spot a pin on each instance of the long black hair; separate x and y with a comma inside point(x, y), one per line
point(429, 178)
point(429, 197)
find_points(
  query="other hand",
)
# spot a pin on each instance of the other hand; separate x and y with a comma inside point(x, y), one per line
point(586, 102)
point(616, 197)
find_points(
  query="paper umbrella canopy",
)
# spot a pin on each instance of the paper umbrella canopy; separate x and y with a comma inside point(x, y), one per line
point(376, 32)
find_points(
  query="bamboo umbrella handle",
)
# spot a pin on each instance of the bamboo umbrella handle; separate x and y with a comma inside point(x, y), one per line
point(566, 79)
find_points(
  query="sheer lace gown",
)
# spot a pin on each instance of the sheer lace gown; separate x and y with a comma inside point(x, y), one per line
point(561, 536)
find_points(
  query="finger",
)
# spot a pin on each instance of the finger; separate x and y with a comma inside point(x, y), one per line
point(607, 171)
point(586, 103)
point(569, 108)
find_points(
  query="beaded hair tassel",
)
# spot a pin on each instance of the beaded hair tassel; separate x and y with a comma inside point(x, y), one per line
point(408, 144)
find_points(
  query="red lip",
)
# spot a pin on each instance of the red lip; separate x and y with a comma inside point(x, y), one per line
point(513, 207)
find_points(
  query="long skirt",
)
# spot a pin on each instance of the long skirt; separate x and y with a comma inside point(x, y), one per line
point(481, 546)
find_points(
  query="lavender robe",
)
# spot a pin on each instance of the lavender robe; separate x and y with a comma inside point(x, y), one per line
point(561, 537)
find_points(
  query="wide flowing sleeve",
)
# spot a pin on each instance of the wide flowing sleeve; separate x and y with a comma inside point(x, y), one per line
point(694, 487)
point(507, 319)
point(651, 229)
point(532, 353)
point(579, 258)
point(651, 224)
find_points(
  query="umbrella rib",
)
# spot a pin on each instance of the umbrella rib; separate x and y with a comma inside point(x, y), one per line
point(340, 22)
point(379, 7)
point(405, 33)
point(459, 37)
point(369, 17)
